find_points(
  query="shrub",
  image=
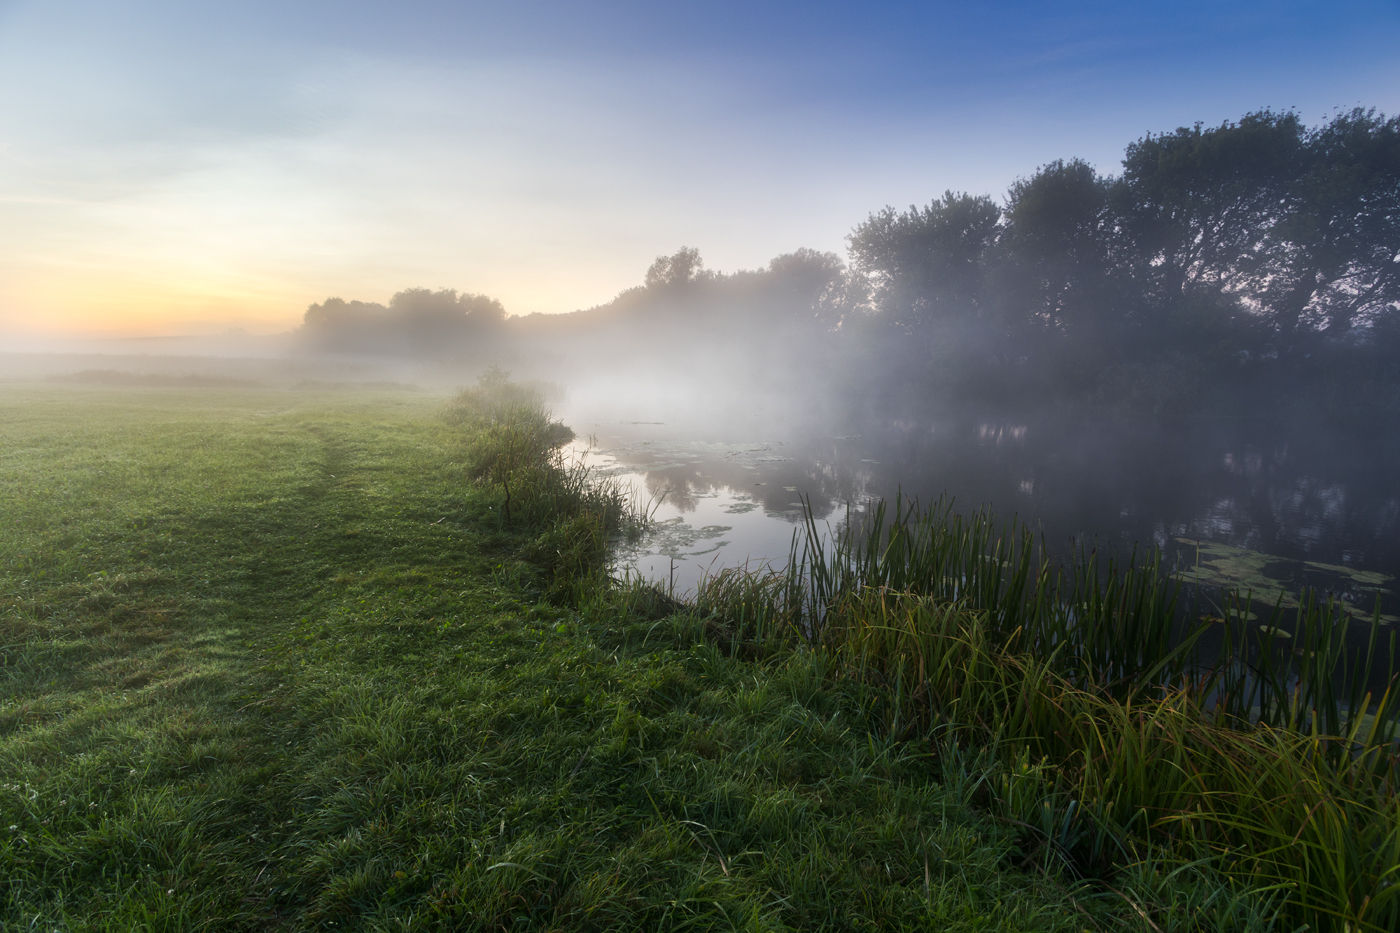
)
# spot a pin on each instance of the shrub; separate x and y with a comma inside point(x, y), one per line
point(568, 513)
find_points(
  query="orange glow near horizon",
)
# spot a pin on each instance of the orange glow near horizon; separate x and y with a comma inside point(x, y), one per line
point(109, 303)
point(136, 302)
point(223, 168)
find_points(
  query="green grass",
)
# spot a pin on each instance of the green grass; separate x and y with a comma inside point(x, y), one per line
point(1267, 766)
point(276, 661)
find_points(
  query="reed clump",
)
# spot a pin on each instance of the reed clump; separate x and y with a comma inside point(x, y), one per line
point(1123, 726)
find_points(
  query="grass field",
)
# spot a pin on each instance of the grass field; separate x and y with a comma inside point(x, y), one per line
point(270, 660)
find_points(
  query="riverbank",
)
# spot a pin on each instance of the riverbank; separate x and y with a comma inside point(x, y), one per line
point(274, 660)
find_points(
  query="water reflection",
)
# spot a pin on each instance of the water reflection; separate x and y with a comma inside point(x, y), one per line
point(1298, 507)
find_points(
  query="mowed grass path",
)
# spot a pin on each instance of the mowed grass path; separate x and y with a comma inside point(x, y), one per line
point(268, 662)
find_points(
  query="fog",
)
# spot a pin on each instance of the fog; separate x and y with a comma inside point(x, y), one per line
point(1202, 347)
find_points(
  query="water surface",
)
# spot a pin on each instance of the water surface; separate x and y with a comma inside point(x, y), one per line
point(1226, 502)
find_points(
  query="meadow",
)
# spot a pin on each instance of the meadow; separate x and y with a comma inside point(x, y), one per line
point(277, 660)
point(352, 660)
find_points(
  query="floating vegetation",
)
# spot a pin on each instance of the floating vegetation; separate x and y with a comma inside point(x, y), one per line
point(1265, 577)
point(676, 539)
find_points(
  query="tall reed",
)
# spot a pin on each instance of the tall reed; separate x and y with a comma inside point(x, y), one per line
point(1127, 722)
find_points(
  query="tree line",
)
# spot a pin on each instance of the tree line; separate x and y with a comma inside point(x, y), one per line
point(1260, 244)
point(1260, 236)
point(417, 321)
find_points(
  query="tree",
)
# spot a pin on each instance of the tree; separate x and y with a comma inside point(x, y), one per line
point(1198, 204)
point(426, 321)
point(339, 314)
point(683, 268)
point(343, 326)
point(1334, 259)
point(927, 264)
point(1298, 228)
point(1056, 266)
point(809, 286)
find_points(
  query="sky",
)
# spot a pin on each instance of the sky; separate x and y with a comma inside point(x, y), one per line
point(176, 168)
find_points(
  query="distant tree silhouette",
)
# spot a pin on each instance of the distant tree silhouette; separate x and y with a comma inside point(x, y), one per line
point(1255, 237)
point(1228, 252)
point(684, 267)
point(809, 287)
point(1296, 229)
point(1196, 204)
point(417, 322)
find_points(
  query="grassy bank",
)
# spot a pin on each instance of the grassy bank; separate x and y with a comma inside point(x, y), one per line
point(1260, 760)
point(282, 661)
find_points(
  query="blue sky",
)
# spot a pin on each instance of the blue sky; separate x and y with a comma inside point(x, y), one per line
point(184, 168)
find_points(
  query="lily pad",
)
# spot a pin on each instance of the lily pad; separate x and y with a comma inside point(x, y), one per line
point(1370, 579)
point(1266, 578)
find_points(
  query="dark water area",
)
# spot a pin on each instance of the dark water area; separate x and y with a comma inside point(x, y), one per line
point(1246, 503)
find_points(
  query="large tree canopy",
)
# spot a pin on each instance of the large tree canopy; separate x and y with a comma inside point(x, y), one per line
point(1055, 271)
point(927, 264)
point(1260, 232)
point(1335, 256)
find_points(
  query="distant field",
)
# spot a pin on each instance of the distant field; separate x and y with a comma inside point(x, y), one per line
point(271, 662)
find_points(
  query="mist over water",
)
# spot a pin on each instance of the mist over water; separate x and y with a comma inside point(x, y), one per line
point(1197, 355)
point(1240, 503)
point(726, 459)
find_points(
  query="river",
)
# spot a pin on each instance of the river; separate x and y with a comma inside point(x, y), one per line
point(1227, 502)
